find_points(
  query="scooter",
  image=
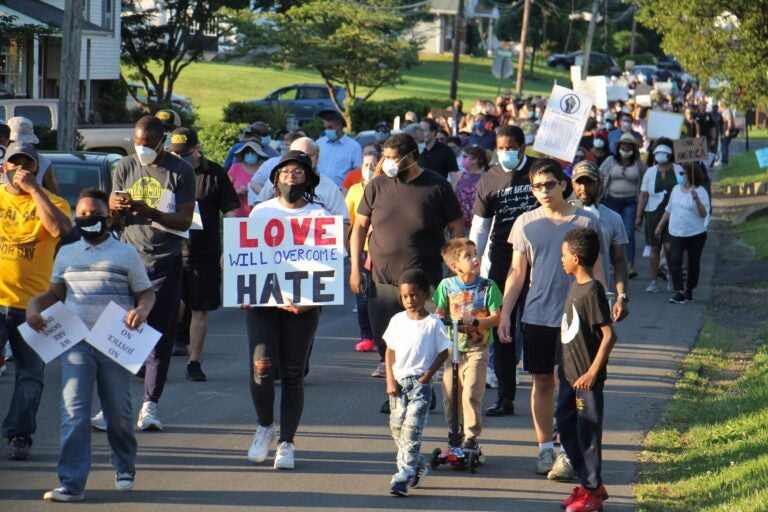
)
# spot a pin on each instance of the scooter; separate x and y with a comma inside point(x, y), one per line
point(454, 454)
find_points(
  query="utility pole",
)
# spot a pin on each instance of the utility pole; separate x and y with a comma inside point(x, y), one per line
point(523, 42)
point(634, 31)
point(588, 42)
point(69, 91)
point(458, 37)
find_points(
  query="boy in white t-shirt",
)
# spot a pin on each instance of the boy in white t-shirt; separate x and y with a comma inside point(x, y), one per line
point(417, 345)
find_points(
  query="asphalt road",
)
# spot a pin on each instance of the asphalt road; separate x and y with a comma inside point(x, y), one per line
point(344, 453)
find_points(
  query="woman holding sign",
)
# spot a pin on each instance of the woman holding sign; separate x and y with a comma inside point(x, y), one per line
point(281, 335)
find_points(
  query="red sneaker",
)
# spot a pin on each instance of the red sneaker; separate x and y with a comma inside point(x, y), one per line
point(575, 494)
point(366, 345)
point(586, 502)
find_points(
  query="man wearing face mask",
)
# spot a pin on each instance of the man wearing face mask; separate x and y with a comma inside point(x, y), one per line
point(139, 183)
point(503, 194)
point(201, 253)
point(436, 156)
point(625, 126)
point(480, 136)
point(33, 221)
point(261, 133)
point(171, 120)
point(408, 209)
point(339, 153)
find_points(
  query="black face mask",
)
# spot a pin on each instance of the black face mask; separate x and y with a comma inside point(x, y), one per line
point(292, 193)
point(91, 227)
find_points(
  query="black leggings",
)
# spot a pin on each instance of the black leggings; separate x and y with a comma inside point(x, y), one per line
point(285, 338)
point(694, 246)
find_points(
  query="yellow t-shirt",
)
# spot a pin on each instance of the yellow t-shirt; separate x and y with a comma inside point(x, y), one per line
point(354, 196)
point(26, 248)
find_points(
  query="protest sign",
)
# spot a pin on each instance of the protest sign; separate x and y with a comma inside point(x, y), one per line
point(63, 330)
point(563, 123)
point(127, 347)
point(595, 87)
point(617, 92)
point(664, 88)
point(167, 204)
point(664, 124)
point(272, 261)
point(644, 100)
point(690, 149)
point(575, 74)
point(762, 157)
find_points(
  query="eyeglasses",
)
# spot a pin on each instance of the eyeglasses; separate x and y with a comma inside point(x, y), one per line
point(547, 185)
point(296, 173)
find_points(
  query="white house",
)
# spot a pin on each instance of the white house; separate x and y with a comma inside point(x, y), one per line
point(32, 68)
point(438, 32)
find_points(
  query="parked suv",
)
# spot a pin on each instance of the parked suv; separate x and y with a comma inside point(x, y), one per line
point(599, 63)
point(305, 101)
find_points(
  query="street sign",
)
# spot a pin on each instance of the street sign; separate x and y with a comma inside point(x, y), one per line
point(502, 68)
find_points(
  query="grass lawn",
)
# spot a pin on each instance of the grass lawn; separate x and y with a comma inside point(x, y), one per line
point(742, 168)
point(755, 233)
point(213, 85)
point(711, 451)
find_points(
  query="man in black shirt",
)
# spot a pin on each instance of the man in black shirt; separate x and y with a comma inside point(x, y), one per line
point(480, 136)
point(503, 194)
point(436, 156)
point(201, 253)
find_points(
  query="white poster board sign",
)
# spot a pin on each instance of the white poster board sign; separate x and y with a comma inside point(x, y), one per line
point(167, 204)
point(664, 124)
point(663, 88)
point(644, 100)
point(617, 92)
point(563, 123)
point(282, 260)
point(63, 330)
point(575, 74)
point(127, 347)
point(594, 86)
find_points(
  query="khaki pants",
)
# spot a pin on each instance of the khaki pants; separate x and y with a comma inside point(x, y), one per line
point(472, 371)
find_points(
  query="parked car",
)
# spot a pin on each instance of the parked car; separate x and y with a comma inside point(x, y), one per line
point(80, 170)
point(599, 63)
point(177, 101)
point(305, 101)
point(646, 73)
point(105, 138)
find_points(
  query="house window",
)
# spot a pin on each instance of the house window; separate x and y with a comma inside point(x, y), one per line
point(108, 14)
point(13, 69)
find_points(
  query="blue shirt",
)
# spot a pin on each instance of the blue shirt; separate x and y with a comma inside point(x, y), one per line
point(339, 157)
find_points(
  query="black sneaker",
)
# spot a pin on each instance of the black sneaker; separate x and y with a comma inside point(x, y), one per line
point(180, 349)
point(418, 478)
point(399, 489)
point(502, 407)
point(433, 403)
point(19, 447)
point(195, 372)
point(385, 407)
point(688, 295)
point(677, 298)
point(470, 444)
point(455, 441)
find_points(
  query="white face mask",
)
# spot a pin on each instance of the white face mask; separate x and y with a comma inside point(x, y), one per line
point(422, 146)
point(367, 173)
point(661, 158)
point(625, 153)
point(146, 154)
point(390, 167)
point(598, 143)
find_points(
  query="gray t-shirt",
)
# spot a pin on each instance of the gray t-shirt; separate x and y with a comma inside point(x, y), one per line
point(147, 183)
point(541, 240)
point(98, 274)
point(613, 233)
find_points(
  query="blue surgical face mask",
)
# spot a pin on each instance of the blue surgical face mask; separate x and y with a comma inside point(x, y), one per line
point(479, 125)
point(509, 160)
point(680, 179)
point(266, 140)
point(250, 158)
point(331, 135)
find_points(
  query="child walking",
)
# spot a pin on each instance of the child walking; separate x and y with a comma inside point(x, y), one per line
point(587, 337)
point(477, 303)
point(417, 345)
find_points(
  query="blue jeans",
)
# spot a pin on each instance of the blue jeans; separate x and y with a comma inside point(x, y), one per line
point(81, 367)
point(627, 208)
point(28, 383)
point(407, 419)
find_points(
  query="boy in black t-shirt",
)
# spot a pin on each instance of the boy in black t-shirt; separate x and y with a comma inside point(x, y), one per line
point(587, 338)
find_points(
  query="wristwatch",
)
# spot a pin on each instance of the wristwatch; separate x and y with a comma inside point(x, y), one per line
point(155, 215)
point(623, 297)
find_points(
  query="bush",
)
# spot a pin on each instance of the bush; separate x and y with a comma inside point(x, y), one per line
point(217, 139)
point(110, 105)
point(622, 41)
point(366, 114)
point(47, 139)
point(244, 112)
point(638, 58)
point(314, 128)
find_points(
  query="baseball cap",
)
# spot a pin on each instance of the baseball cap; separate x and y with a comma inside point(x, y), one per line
point(255, 146)
point(169, 118)
point(21, 148)
point(586, 169)
point(382, 126)
point(183, 140)
point(297, 157)
point(662, 148)
point(22, 130)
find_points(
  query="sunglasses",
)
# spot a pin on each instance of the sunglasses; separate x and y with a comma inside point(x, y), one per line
point(547, 185)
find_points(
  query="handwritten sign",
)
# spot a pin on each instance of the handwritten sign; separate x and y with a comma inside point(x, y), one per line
point(664, 124)
point(563, 123)
point(127, 347)
point(690, 150)
point(762, 157)
point(63, 330)
point(273, 261)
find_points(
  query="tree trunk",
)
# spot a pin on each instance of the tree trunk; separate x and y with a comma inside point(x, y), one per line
point(70, 75)
point(588, 42)
point(523, 38)
point(458, 37)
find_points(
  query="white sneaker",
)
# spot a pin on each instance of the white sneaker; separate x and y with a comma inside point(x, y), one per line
point(517, 375)
point(262, 440)
point(490, 379)
point(148, 417)
point(99, 422)
point(380, 371)
point(652, 288)
point(124, 480)
point(284, 456)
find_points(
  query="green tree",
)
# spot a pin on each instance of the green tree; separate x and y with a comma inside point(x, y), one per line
point(358, 46)
point(148, 45)
point(725, 40)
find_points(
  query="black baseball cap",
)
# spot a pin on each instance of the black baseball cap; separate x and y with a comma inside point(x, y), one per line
point(183, 140)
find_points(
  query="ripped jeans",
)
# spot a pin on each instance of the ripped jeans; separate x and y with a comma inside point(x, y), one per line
point(407, 418)
point(277, 337)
